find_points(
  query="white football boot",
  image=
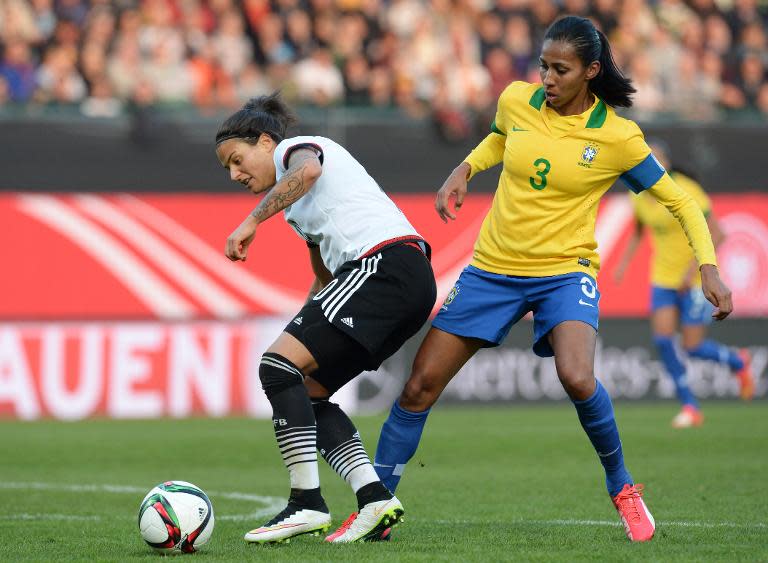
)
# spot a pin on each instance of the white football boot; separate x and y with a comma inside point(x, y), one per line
point(371, 521)
point(293, 521)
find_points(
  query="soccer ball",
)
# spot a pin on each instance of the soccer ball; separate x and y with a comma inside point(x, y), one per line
point(176, 515)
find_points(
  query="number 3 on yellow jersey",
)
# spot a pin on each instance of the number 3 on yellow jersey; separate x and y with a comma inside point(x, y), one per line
point(541, 182)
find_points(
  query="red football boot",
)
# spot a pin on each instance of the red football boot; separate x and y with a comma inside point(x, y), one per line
point(637, 519)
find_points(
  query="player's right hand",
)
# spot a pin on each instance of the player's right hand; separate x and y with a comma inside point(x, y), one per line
point(240, 239)
point(454, 185)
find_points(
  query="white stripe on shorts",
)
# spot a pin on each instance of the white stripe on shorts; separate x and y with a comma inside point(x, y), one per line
point(370, 266)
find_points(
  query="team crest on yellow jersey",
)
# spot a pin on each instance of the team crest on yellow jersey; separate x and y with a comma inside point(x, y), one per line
point(588, 154)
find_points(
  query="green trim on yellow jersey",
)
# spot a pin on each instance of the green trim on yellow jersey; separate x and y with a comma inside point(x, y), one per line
point(598, 116)
point(556, 169)
point(538, 98)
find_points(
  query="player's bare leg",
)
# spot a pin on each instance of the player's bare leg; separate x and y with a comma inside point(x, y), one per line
point(574, 345)
point(440, 356)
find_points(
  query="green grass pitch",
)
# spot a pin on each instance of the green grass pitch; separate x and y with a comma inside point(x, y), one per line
point(488, 484)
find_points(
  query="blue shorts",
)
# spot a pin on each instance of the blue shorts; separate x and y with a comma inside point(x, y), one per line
point(693, 306)
point(485, 305)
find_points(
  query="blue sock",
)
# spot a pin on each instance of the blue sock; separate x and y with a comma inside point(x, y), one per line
point(675, 368)
point(711, 350)
point(398, 442)
point(596, 417)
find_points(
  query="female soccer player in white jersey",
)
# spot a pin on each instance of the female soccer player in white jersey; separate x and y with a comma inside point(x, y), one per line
point(562, 146)
point(373, 289)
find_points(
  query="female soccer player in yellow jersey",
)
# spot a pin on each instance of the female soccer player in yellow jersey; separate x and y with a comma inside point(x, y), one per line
point(676, 297)
point(562, 146)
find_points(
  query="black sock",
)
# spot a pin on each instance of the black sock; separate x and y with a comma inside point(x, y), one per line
point(308, 498)
point(339, 443)
point(372, 492)
point(293, 419)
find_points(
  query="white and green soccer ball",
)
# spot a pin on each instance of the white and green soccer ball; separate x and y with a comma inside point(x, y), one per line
point(176, 516)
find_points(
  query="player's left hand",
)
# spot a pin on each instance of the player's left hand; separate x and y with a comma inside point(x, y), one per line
point(716, 292)
point(240, 239)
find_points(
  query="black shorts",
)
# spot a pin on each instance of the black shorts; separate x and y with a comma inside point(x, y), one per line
point(366, 313)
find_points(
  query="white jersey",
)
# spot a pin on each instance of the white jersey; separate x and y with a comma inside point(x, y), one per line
point(345, 212)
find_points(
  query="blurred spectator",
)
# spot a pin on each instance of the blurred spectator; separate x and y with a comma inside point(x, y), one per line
point(252, 83)
point(45, 18)
point(357, 78)
point(17, 21)
point(500, 70)
point(101, 101)
point(233, 48)
point(649, 98)
point(57, 77)
point(318, 80)
point(750, 82)
point(692, 98)
point(18, 71)
point(272, 48)
point(168, 72)
point(125, 67)
point(518, 43)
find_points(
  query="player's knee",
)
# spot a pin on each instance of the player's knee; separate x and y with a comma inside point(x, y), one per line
point(277, 374)
point(422, 389)
point(578, 380)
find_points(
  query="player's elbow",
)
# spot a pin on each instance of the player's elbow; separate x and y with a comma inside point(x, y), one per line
point(312, 170)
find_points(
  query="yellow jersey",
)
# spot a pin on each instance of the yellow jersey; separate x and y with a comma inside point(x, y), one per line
point(672, 256)
point(555, 170)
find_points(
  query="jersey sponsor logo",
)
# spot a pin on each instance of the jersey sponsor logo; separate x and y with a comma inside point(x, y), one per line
point(298, 321)
point(515, 128)
point(582, 302)
point(348, 321)
point(588, 154)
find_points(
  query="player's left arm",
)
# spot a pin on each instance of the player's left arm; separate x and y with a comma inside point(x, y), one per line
point(304, 168)
point(691, 218)
point(641, 171)
point(718, 236)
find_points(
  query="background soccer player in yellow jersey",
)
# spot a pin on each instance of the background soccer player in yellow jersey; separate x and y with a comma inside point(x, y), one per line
point(562, 146)
point(676, 296)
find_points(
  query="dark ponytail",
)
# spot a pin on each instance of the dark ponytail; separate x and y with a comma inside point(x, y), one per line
point(591, 45)
point(265, 114)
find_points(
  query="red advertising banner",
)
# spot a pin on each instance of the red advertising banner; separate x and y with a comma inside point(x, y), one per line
point(72, 371)
point(160, 257)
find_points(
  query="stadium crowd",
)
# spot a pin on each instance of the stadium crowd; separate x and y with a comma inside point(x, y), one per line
point(695, 59)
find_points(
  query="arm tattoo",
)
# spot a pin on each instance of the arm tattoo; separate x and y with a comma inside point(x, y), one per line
point(291, 187)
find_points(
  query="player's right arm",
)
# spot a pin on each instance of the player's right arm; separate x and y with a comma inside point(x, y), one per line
point(323, 276)
point(487, 154)
point(304, 168)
